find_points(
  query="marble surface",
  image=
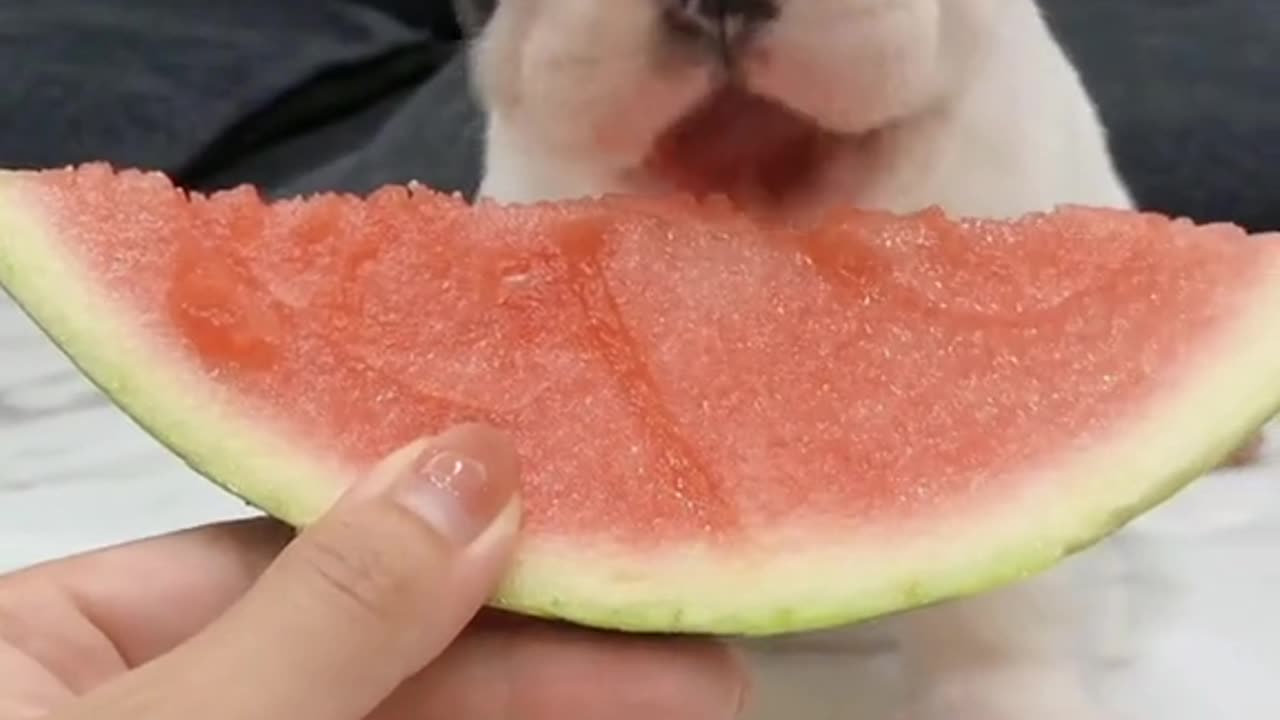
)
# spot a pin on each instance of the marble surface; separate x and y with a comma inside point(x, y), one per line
point(75, 474)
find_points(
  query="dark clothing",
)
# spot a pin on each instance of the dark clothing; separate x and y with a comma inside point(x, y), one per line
point(300, 95)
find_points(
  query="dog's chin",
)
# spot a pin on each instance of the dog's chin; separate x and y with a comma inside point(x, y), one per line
point(753, 150)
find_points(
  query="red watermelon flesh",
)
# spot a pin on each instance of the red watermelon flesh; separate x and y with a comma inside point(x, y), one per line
point(725, 426)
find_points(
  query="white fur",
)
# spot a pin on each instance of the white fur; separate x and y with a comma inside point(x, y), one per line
point(967, 104)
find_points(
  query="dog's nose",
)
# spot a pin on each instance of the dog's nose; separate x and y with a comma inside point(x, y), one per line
point(721, 17)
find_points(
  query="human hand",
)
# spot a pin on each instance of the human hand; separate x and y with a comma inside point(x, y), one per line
point(369, 613)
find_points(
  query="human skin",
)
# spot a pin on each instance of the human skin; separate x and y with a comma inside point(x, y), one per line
point(373, 612)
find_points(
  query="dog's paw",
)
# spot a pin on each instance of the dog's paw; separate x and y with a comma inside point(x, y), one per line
point(1036, 696)
point(986, 710)
point(1246, 454)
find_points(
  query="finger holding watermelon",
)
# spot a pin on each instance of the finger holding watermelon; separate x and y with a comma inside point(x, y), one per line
point(369, 613)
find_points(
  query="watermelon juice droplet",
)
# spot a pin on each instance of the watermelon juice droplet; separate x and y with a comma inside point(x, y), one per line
point(220, 312)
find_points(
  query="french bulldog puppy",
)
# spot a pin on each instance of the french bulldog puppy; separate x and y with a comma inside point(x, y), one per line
point(967, 104)
point(789, 106)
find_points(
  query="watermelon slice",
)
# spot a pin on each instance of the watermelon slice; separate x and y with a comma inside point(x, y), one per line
point(726, 427)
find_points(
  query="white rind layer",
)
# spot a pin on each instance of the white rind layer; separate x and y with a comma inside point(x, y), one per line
point(1211, 406)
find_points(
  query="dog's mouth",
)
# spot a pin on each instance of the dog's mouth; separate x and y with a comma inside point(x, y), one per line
point(753, 150)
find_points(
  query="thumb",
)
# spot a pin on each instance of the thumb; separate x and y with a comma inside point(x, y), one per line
point(367, 596)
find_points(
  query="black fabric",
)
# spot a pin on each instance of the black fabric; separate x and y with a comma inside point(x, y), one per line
point(430, 133)
point(187, 86)
point(302, 95)
point(1190, 92)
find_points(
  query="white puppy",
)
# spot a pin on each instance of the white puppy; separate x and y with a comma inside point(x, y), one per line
point(791, 105)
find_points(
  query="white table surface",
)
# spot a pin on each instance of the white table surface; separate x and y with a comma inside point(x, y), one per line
point(75, 474)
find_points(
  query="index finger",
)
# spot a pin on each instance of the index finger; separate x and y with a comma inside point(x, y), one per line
point(147, 597)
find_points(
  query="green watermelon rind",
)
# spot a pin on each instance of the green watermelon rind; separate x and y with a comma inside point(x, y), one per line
point(1211, 410)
